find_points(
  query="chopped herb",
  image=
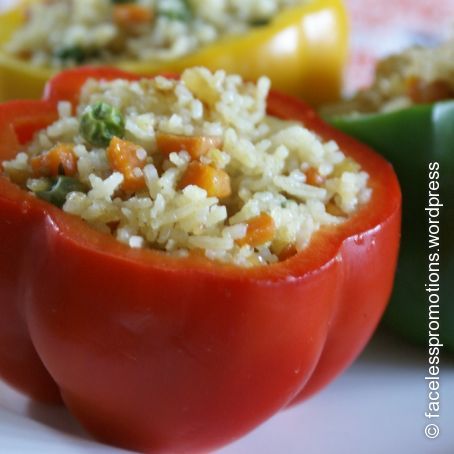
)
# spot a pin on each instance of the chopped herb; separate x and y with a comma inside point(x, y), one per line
point(59, 188)
point(179, 10)
point(100, 123)
point(259, 22)
point(76, 54)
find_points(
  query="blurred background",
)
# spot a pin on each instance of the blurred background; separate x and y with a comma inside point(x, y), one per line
point(379, 28)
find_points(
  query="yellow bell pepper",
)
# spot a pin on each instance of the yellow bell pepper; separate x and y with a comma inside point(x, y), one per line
point(303, 50)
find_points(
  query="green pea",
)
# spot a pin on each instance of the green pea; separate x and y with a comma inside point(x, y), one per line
point(179, 10)
point(59, 188)
point(100, 122)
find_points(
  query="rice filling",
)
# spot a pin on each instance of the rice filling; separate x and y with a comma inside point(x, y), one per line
point(63, 33)
point(191, 166)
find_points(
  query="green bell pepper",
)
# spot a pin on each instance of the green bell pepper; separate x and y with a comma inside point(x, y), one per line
point(412, 138)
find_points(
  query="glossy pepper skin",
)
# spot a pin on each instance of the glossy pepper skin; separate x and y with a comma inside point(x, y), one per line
point(411, 139)
point(303, 51)
point(164, 354)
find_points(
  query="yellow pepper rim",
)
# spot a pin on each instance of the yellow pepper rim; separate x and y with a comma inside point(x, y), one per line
point(254, 35)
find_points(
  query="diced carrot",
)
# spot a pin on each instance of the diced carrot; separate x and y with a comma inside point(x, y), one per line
point(421, 91)
point(60, 160)
point(260, 230)
point(288, 251)
point(129, 14)
point(216, 182)
point(122, 156)
point(196, 146)
point(313, 177)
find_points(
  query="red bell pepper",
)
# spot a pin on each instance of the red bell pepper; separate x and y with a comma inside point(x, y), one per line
point(153, 352)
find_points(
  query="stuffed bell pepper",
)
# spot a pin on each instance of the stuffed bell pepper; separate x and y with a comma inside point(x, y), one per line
point(181, 258)
point(300, 44)
point(408, 116)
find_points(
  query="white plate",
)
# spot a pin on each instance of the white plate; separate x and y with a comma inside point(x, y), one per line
point(376, 407)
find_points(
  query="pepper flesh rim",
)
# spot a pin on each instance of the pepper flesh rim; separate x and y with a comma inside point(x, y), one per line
point(282, 20)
